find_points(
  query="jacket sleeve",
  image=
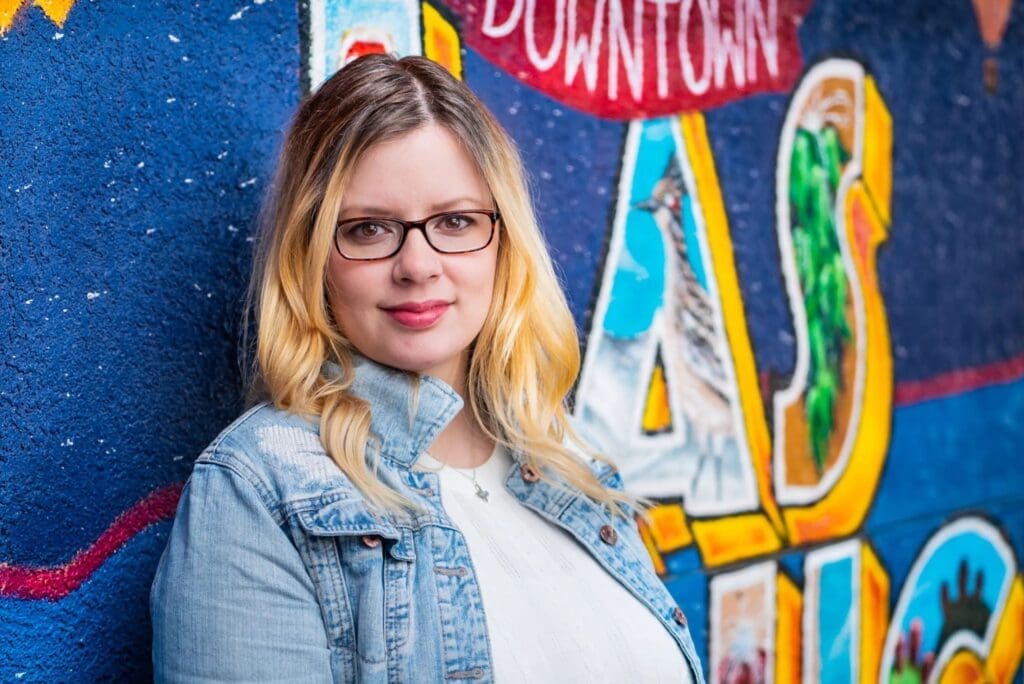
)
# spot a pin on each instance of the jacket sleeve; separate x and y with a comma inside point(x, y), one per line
point(231, 600)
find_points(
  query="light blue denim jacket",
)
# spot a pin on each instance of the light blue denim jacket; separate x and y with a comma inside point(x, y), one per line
point(276, 569)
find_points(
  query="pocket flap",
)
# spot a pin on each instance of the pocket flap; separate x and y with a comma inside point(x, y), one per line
point(346, 517)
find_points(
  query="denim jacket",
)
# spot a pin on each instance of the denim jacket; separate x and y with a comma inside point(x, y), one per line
point(276, 569)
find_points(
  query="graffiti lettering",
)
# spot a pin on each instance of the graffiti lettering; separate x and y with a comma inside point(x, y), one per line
point(695, 52)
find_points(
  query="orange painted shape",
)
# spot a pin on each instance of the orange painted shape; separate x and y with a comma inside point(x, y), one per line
point(842, 510)
point(652, 549)
point(657, 412)
point(1008, 643)
point(727, 540)
point(874, 613)
point(992, 17)
point(668, 527)
point(56, 10)
point(877, 171)
point(8, 8)
point(441, 41)
point(963, 668)
point(789, 630)
point(709, 193)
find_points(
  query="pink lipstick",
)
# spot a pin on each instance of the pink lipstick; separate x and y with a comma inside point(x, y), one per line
point(418, 315)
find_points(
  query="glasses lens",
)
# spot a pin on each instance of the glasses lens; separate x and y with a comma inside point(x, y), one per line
point(460, 231)
point(369, 238)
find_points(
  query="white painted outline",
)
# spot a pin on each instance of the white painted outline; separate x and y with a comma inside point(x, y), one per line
point(962, 639)
point(615, 245)
point(738, 422)
point(832, 69)
point(765, 574)
point(813, 563)
point(656, 333)
point(316, 69)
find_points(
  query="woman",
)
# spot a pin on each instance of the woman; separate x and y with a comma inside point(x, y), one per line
point(409, 502)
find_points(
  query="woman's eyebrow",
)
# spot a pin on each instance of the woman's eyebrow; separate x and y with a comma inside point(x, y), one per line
point(371, 210)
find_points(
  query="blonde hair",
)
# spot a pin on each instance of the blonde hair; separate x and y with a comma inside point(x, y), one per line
point(526, 357)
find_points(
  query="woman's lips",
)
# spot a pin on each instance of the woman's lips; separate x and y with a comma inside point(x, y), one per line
point(418, 315)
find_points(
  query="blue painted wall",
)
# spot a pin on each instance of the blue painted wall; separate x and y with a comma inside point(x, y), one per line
point(136, 141)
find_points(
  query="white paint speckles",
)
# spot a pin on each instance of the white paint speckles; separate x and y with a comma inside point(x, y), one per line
point(232, 229)
point(58, 36)
point(171, 99)
point(173, 38)
point(238, 15)
point(246, 183)
point(184, 58)
point(22, 188)
point(107, 164)
point(68, 442)
point(91, 295)
point(196, 285)
point(223, 153)
point(150, 231)
point(140, 165)
point(29, 301)
point(189, 181)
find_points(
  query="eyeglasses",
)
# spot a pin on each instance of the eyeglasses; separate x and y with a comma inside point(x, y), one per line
point(367, 238)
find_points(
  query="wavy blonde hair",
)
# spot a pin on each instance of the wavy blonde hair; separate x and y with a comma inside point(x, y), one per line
point(525, 359)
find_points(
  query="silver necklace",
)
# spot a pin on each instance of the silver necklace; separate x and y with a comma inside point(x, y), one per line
point(480, 491)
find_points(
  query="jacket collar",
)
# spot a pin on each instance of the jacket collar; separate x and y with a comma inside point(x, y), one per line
point(408, 411)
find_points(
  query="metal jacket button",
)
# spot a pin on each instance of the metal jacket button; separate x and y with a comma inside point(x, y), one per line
point(679, 616)
point(529, 473)
point(609, 535)
point(371, 541)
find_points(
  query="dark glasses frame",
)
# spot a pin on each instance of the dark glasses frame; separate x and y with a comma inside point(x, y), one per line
point(420, 225)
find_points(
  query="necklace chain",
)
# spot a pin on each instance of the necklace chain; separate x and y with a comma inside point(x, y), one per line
point(480, 491)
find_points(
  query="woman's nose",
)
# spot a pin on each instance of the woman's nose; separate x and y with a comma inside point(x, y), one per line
point(417, 260)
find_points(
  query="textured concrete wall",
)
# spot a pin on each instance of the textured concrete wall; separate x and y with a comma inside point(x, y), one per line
point(795, 259)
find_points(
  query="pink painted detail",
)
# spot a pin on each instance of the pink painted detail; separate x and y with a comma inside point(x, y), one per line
point(959, 381)
point(55, 583)
point(861, 234)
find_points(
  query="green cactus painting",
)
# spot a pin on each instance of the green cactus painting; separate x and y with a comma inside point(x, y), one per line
point(814, 172)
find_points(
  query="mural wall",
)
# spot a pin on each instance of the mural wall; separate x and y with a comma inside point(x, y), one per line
point(790, 232)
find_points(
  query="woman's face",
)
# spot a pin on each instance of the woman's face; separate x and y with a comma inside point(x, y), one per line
point(418, 310)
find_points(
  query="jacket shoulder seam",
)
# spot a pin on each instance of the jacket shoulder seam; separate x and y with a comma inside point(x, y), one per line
point(248, 475)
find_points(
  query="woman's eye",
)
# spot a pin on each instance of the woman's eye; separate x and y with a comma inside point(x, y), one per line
point(456, 222)
point(366, 231)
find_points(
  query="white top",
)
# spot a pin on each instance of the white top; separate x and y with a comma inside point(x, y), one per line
point(553, 613)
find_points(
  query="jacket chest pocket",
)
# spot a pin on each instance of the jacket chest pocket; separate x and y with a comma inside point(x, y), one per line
point(363, 577)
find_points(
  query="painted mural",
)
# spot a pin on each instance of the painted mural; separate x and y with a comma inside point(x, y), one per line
point(791, 245)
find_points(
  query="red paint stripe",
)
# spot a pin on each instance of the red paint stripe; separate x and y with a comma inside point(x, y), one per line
point(57, 582)
point(959, 381)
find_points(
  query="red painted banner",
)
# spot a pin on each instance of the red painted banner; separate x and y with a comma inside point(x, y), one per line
point(628, 59)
